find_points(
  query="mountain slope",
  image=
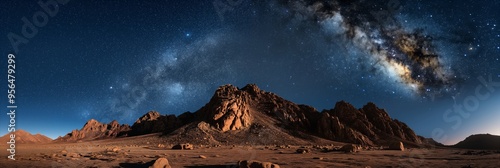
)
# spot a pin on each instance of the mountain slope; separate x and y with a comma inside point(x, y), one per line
point(480, 141)
point(24, 137)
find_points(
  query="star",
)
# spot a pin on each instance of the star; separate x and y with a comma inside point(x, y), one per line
point(111, 87)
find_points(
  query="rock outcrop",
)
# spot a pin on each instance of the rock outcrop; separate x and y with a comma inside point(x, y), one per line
point(228, 109)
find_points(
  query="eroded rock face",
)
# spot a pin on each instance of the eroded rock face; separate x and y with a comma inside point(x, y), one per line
point(96, 130)
point(231, 109)
point(228, 109)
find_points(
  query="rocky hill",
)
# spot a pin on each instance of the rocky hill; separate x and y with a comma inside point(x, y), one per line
point(480, 141)
point(251, 115)
point(93, 130)
point(24, 137)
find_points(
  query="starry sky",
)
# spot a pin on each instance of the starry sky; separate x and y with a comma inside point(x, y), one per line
point(431, 64)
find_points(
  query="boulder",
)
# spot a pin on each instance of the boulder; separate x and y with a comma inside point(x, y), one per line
point(256, 164)
point(350, 148)
point(397, 146)
point(161, 163)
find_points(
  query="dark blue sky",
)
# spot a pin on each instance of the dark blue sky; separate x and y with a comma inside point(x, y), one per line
point(119, 59)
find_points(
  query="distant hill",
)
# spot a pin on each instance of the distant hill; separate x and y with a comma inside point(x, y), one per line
point(23, 137)
point(480, 141)
point(251, 115)
point(93, 130)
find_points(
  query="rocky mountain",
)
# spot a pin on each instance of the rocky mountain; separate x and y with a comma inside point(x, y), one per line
point(93, 129)
point(236, 109)
point(24, 137)
point(154, 122)
point(252, 115)
point(480, 141)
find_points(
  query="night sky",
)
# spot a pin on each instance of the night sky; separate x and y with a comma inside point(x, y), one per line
point(422, 61)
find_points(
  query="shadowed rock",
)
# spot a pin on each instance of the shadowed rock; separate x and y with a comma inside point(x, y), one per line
point(256, 164)
point(160, 163)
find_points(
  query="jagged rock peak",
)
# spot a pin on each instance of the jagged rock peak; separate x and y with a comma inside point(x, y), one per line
point(229, 109)
point(251, 88)
point(92, 122)
point(150, 116)
point(344, 104)
point(229, 91)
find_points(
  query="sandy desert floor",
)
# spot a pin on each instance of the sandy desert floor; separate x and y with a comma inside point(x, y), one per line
point(142, 153)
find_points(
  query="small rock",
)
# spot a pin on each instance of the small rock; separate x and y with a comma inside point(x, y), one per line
point(73, 155)
point(185, 146)
point(318, 158)
point(302, 151)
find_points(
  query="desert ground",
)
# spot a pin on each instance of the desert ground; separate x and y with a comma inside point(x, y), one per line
point(144, 150)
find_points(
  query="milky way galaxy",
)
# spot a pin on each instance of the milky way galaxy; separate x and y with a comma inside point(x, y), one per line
point(116, 60)
point(408, 55)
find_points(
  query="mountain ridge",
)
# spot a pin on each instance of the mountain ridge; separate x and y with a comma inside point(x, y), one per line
point(24, 137)
point(248, 110)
